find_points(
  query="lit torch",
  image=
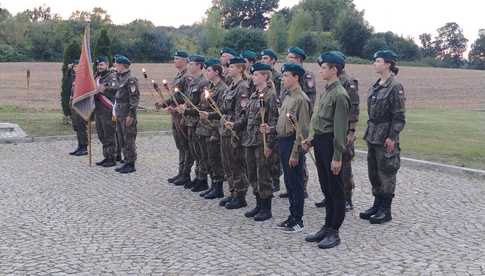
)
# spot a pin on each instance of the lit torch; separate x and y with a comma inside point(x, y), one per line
point(145, 75)
point(294, 124)
point(262, 111)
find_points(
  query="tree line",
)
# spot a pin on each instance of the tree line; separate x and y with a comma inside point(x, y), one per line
point(314, 25)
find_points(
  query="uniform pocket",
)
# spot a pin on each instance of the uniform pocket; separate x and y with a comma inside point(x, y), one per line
point(392, 161)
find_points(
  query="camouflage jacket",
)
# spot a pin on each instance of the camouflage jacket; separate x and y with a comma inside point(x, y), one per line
point(351, 85)
point(127, 95)
point(210, 127)
point(234, 101)
point(386, 109)
point(251, 118)
point(109, 80)
point(195, 90)
point(180, 82)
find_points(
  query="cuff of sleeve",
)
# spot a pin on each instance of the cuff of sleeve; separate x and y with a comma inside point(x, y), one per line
point(337, 155)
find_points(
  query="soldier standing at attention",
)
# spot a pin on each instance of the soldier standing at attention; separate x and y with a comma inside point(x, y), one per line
point(296, 106)
point(328, 132)
point(126, 102)
point(179, 130)
point(226, 54)
point(262, 105)
point(234, 102)
point(78, 123)
point(105, 126)
point(268, 56)
point(386, 109)
point(216, 88)
point(195, 91)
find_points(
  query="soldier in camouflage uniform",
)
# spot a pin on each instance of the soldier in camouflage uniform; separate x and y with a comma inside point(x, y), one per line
point(179, 131)
point(105, 126)
point(257, 150)
point(386, 109)
point(216, 90)
point(226, 54)
point(195, 91)
point(308, 85)
point(126, 103)
point(268, 56)
point(234, 102)
point(78, 123)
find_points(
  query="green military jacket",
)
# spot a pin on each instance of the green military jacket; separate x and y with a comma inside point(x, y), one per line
point(127, 95)
point(110, 82)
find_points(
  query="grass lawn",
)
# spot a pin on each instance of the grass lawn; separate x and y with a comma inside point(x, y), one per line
point(451, 136)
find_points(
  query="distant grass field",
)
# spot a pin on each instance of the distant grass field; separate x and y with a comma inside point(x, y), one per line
point(452, 136)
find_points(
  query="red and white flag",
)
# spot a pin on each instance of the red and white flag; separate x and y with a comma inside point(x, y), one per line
point(85, 85)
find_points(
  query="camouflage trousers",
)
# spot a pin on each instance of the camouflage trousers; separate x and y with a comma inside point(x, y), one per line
point(347, 176)
point(382, 168)
point(234, 167)
point(194, 150)
point(79, 126)
point(259, 171)
point(127, 137)
point(179, 132)
point(106, 128)
point(275, 170)
point(211, 163)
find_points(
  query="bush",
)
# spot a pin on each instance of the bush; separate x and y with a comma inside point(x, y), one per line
point(241, 39)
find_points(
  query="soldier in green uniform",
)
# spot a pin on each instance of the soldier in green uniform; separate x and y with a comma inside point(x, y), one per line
point(292, 128)
point(351, 85)
point(78, 123)
point(126, 103)
point(179, 131)
point(105, 126)
point(327, 134)
point(234, 102)
point(215, 91)
point(386, 109)
point(226, 54)
point(261, 110)
point(195, 89)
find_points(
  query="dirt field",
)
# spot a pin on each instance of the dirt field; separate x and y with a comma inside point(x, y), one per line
point(425, 87)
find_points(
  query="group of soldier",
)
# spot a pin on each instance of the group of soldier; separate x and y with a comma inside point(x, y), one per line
point(238, 119)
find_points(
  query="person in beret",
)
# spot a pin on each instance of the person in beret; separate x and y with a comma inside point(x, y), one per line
point(179, 130)
point(291, 129)
point(226, 54)
point(127, 98)
point(107, 84)
point(268, 56)
point(297, 55)
point(386, 110)
point(78, 123)
point(235, 100)
point(195, 92)
point(327, 135)
point(250, 57)
point(261, 110)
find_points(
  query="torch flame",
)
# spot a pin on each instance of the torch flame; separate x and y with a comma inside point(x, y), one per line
point(176, 89)
point(288, 115)
point(143, 70)
point(207, 94)
point(153, 81)
point(164, 81)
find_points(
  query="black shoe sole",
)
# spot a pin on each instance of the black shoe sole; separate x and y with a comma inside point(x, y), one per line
point(125, 172)
point(328, 246)
point(230, 207)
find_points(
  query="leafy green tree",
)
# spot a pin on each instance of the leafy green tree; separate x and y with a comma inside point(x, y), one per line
point(353, 32)
point(71, 53)
point(301, 22)
point(451, 45)
point(277, 33)
point(243, 38)
point(103, 45)
point(476, 57)
point(245, 13)
point(406, 48)
point(309, 42)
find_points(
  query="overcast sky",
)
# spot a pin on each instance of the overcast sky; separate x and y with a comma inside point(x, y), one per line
point(404, 17)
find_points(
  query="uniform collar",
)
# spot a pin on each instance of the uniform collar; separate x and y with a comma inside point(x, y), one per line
point(331, 86)
point(386, 84)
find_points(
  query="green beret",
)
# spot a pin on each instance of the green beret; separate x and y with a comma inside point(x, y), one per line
point(101, 59)
point(297, 51)
point(197, 58)
point(270, 53)
point(228, 51)
point(248, 54)
point(181, 54)
point(332, 57)
point(294, 68)
point(237, 60)
point(120, 59)
point(259, 66)
point(210, 62)
point(387, 55)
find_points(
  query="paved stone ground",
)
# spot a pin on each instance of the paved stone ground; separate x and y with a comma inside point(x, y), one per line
point(57, 216)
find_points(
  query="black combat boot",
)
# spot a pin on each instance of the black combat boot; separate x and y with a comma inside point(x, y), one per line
point(331, 239)
point(284, 195)
point(321, 204)
point(200, 186)
point(237, 203)
point(100, 163)
point(172, 179)
point(190, 184)
point(74, 152)
point(83, 150)
point(318, 236)
point(265, 210)
point(225, 200)
point(383, 215)
point(348, 203)
point(181, 180)
point(372, 210)
point(217, 191)
point(206, 192)
point(255, 210)
point(127, 168)
point(108, 163)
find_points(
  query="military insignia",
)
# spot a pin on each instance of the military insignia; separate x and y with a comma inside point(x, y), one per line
point(244, 101)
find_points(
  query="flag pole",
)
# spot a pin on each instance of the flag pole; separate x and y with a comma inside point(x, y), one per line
point(90, 155)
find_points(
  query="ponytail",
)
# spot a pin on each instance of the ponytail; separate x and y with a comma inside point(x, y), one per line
point(394, 69)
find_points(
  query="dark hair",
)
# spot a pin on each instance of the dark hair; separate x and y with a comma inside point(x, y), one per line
point(339, 68)
point(218, 69)
point(394, 69)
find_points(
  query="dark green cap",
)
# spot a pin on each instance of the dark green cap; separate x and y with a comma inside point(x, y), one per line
point(270, 53)
point(297, 51)
point(197, 58)
point(387, 55)
point(332, 57)
point(101, 59)
point(228, 51)
point(258, 66)
point(210, 62)
point(120, 59)
point(237, 60)
point(181, 54)
point(295, 68)
point(250, 55)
